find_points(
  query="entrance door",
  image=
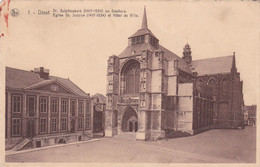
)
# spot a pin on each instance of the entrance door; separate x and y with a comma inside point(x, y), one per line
point(30, 128)
point(128, 120)
point(72, 126)
point(130, 126)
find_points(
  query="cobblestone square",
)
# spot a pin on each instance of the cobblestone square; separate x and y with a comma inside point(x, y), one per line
point(214, 146)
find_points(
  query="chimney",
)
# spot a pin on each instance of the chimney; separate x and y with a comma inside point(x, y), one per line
point(43, 73)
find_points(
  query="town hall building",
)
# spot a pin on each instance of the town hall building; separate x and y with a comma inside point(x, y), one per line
point(43, 110)
point(151, 90)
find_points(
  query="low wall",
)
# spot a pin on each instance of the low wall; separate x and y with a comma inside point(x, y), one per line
point(43, 141)
point(10, 143)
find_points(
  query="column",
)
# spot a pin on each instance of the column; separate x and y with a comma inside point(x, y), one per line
point(109, 123)
point(9, 112)
point(76, 115)
point(142, 119)
point(49, 115)
point(69, 115)
point(59, 115)
point(37, 116)
point(24, 114)
point(84, 114)
point(91, 117)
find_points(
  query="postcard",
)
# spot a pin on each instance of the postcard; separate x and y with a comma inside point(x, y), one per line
point(129, 82)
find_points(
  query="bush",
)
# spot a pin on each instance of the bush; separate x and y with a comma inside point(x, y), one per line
point(170, 133)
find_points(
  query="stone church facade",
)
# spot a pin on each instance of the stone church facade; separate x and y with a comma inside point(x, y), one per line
point(150, 90)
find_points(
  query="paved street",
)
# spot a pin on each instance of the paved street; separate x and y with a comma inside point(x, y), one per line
point(214, 146)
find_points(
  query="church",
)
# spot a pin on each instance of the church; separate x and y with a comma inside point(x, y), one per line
point(151, 90)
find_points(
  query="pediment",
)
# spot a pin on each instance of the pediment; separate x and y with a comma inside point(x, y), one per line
point(51, 87)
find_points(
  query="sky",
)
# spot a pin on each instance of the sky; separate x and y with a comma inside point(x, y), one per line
point(78, 48)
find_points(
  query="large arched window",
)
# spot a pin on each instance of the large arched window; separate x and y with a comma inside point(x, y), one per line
point(212, 84)
point(130, 77)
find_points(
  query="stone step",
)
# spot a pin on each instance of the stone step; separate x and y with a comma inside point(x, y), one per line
point(21, 144)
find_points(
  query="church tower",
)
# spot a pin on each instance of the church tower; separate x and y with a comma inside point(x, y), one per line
point(187, 53)
point(135, 87)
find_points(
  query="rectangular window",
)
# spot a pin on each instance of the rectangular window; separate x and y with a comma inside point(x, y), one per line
point(43, 125)
point(43, 104)
point(64, 124)
point(64, 105)
point(133, 41)
point(16, 126)
point(54, 105)
point(16, 103)
point(87, 122)
point(81, 107)
point(110, 86)
point(80, 126)
point(88, 107)
point(142, 39)
point(73, 108)
point(109, 101)
point(31, 105)
point(88, 115)
point(54, 124)
point(138, 39)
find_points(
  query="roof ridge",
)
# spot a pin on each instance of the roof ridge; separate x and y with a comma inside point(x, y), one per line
point(169, 50)
point(213, 58)
point(19, 69)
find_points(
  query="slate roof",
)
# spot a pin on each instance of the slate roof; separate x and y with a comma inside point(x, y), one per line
point(172, 56)
point(210, 66)
point(138, 48)
point(142, 32)
point(102, 98)
point(18, 79)
point(21, 79)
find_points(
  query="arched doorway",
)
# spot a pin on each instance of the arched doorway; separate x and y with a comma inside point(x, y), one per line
point(130, 120)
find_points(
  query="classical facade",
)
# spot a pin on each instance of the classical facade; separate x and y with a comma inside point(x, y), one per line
point(43, 110)
point(150, 89)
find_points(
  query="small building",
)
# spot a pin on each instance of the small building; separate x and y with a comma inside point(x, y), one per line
point(43, 110)
point(99, 104)
point(250, 111)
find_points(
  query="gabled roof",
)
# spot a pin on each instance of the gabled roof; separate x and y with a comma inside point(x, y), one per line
point(69, 84)
point(18, 79)
point(102, 98)
point(168, 55)
point(172, 56)
point(217, 65)
point(138, 48)
point(21, 79)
